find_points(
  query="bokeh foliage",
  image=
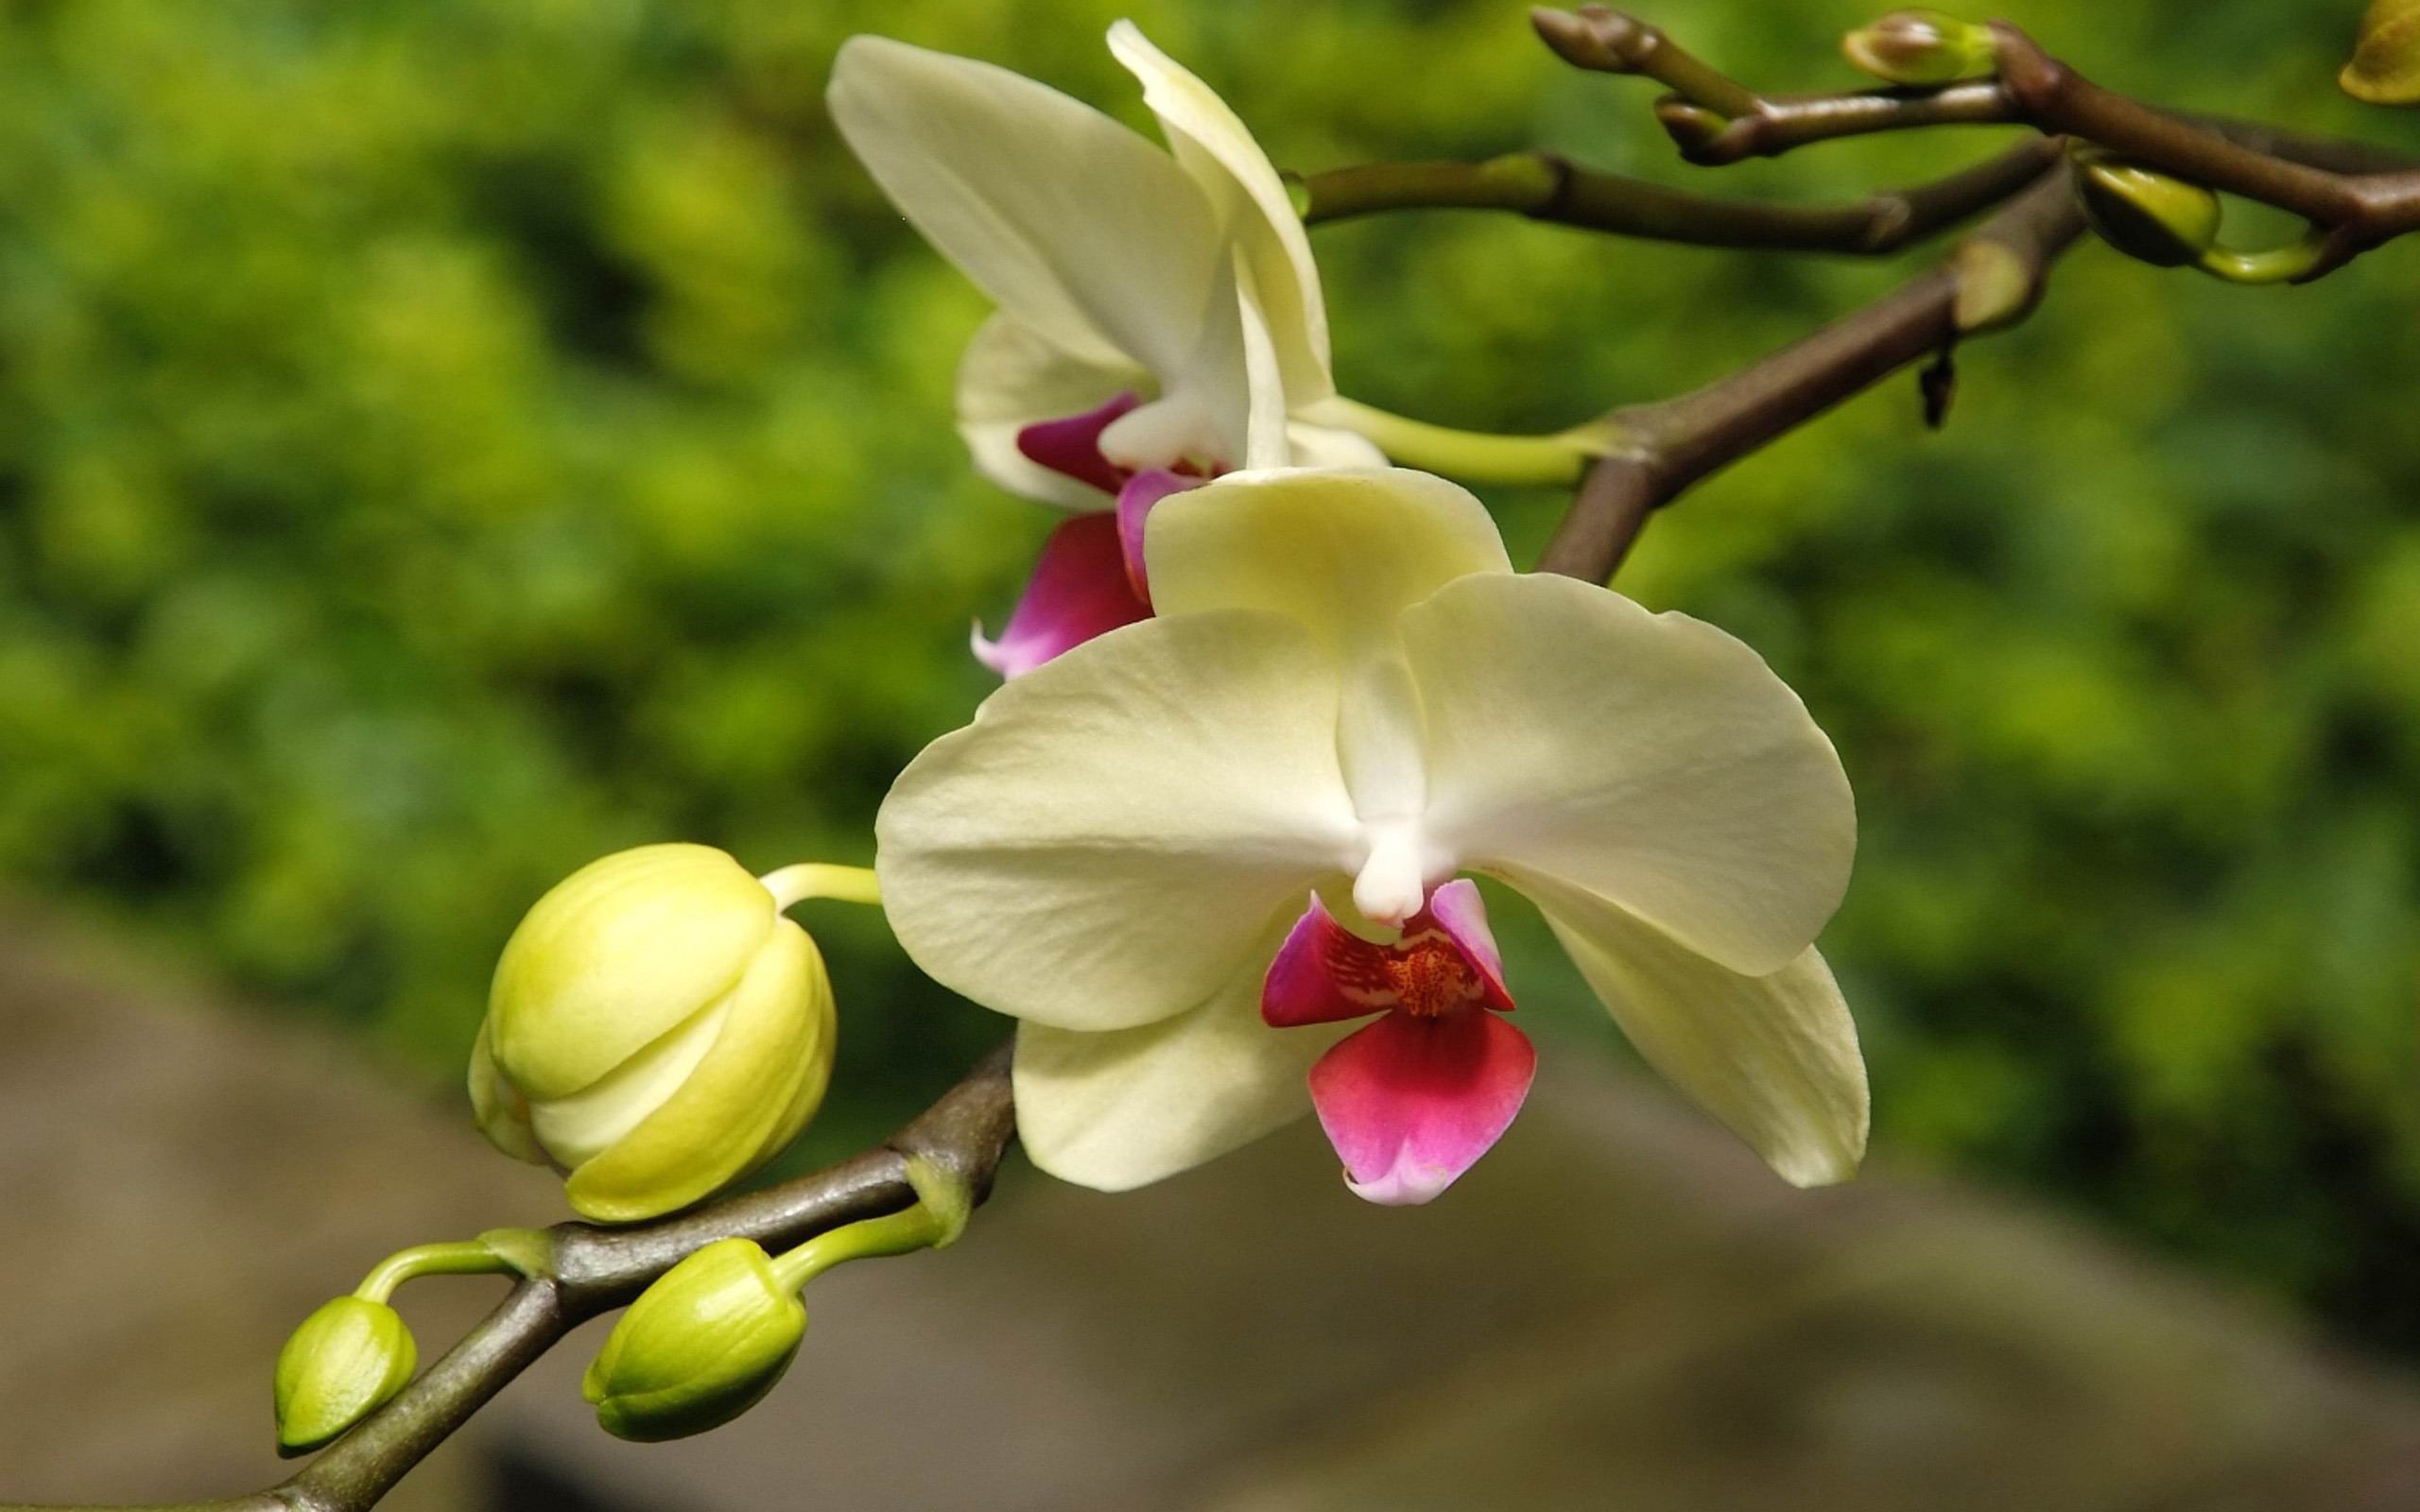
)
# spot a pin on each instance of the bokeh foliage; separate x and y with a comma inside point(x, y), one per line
point(442, 440)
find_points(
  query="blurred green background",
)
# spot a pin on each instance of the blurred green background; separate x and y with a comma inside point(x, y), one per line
point(442, 441)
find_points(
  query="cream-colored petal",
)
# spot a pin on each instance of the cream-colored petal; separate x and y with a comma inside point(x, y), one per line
point(615, 957)
point(1013, 377)
point(1326, 446)
point(1207, 415)
point(1774, 1056)
point(1342, 551)
point(1266, 443)
point(1122, 1110)
point(1651, 760)
point(498, 1107)
point(1218, 148)
point(1084, 232)
point(716, 1126)
point(1103, 846)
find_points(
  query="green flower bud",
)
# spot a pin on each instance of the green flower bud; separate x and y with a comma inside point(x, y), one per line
point(1922, 47)
point(2147, 216)
point(656, 1030)
point(344, 1362)
point(702, 1345)
point(2385, 69)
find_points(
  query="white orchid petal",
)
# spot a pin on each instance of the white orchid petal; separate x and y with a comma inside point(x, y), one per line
point(1118, 1111)
point(1342, 551)
point(1084, 232)
point(1219, 149)
point(1649, 759)
point(1109, 837)
point(1204, 417)
point(1013, 377)
point(1266, 443)
point(1774, 1056)
point(1326, 446)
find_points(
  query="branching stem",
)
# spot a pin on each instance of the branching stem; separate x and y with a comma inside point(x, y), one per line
point(2359, 198)
point(1549, 188)
point(1993, 281)
point(590, 1270)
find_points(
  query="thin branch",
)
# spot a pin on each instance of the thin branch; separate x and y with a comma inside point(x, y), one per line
point(592, 1270)
point(1993, 281)
point(2358, 196)
point(1546, 187)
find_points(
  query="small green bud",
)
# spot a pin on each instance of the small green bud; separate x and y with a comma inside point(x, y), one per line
point(702, 1345)
point(343, 1364)
point(1922, 47)
point(656, 1030)
point(2147, 215)
point(2385, 69)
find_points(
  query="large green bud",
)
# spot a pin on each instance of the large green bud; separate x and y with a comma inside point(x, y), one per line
point(2385, 69)
point(344, 1363)
point(656, 1030)
point(702, 1345)
point(2147, 215)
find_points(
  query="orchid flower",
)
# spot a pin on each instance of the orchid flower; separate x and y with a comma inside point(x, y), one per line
point(1160, 318)
point(1193, 855)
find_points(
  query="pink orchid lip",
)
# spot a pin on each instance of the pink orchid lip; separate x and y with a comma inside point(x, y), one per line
point(1411, 1101)
point(1072, 446)
point(1410, 1104)
point(1080, 589)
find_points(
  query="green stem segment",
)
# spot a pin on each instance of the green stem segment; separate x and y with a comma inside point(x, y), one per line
point(943, 1204)
point(818, 879)
point(497, 1252)
point(1472, 457)
point(2278, 264)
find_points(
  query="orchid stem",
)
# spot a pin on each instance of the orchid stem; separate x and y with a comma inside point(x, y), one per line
point(469, 1257)
point(817, 879)
point(1472, 457)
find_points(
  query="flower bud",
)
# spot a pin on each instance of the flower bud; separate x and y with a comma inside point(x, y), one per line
point(2385, 69)
point(1922, 47)
point(340, 1365)
point(656, 1030)
point(702, 1345)
point(2147, 215)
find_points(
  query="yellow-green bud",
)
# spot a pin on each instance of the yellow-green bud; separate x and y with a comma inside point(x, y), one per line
point(656, 1030)
point(2385, 69)
point(698, 1348)
point(1922, 47)
point(2147, 216)
point(340, 1365)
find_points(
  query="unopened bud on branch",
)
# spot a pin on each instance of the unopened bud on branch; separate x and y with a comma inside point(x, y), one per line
point(1922, 47)
point(344, 1362)
point(2147, 215)
point(698, 1348)
point(656, 1029)
point(2385, 69)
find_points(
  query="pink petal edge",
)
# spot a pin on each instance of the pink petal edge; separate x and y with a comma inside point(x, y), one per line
point(1135, 501)
point(1079, 589)
point(1324, 974)
point(1410, 1104)
point(1072, 446)
point(1460, 911)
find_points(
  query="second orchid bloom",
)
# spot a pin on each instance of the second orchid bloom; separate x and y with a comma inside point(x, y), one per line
point(1160, 317)
point(1214, 860)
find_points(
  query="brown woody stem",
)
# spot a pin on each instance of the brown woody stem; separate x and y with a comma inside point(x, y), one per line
point(1991, 282)
point(1549, 188)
